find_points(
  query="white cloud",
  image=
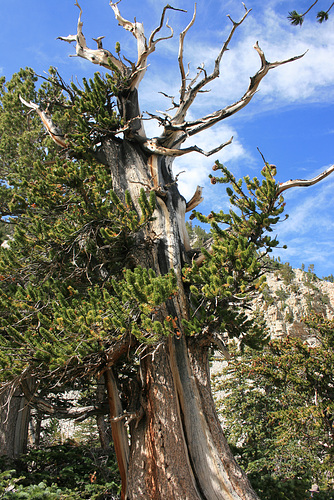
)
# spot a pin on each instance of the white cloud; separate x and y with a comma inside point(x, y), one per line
point(308, 78)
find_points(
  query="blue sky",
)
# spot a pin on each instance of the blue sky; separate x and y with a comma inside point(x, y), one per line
point(290, 119)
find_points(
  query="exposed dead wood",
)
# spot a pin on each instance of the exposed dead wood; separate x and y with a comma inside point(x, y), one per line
point(144, 47)
point(180, 56)
point(98, 56)
point(152, 145)
point(305, 182)
point(180, 130)
point(118, 430)
point(195, 200)
point(52, 129)
point(205, 458)
point(189, 94)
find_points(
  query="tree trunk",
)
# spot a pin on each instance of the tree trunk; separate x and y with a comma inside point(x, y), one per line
point(14, 419)
point(177, 449)
point(100, 420)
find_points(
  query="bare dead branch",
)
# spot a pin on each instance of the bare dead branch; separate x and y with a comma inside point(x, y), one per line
point(52, 129)
point(180, 56)
point(304, 182)
point(144, 48)
point(98, 40)
point(154, 32)
point(188, 97)
point(152, 146)
point(126, 415)
point(137, 29)
point(172, 98)
point(98, 56)
point(196, 126)
point(195, 200)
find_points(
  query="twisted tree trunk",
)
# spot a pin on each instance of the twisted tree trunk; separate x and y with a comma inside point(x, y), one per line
point(14, 419)
point(177, 448)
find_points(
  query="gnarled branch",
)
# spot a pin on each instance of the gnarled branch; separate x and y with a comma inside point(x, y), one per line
point(185, 129)
point(153, 146)
point(59, 412)
point(180, 56)
point(195, 200)
point(144, 48)
point(52, 129)
point(304, 182)
point(99, 56)
point(189, 94)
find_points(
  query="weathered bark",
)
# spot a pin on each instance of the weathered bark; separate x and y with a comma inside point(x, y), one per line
point(177, 449)
point(160, 464)
point(14, 419)
point(118, 431)
point(100, 420)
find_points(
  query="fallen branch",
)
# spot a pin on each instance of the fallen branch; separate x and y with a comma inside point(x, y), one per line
point(77, 413)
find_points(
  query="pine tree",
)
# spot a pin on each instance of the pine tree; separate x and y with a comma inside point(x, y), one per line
point(100, 279)
point(277, 407)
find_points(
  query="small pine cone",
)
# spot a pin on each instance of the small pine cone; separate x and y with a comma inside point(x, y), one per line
point(192, 216)
point(210, 216)
point(213, 180)
point(215, 167)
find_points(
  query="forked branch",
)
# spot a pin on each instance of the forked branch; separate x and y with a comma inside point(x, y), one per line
point(185, 129)
point(304, 182)
point(188, 94)
point(144, 48)
point(180, 56)
point(99, 56)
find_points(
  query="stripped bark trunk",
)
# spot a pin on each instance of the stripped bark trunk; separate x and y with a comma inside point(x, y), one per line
point(100, 421)
point(118, 430)
point(14, 419)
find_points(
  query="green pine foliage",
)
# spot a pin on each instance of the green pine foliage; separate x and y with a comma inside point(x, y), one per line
point(64, 297)
point(70, 471)
point(94, 109)
point(70, 291)
point(277, 407)
point(234, 270)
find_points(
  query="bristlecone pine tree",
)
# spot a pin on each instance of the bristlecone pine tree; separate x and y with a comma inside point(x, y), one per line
point(100, 280)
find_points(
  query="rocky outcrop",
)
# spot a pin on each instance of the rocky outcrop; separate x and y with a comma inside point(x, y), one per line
point(289, 296)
